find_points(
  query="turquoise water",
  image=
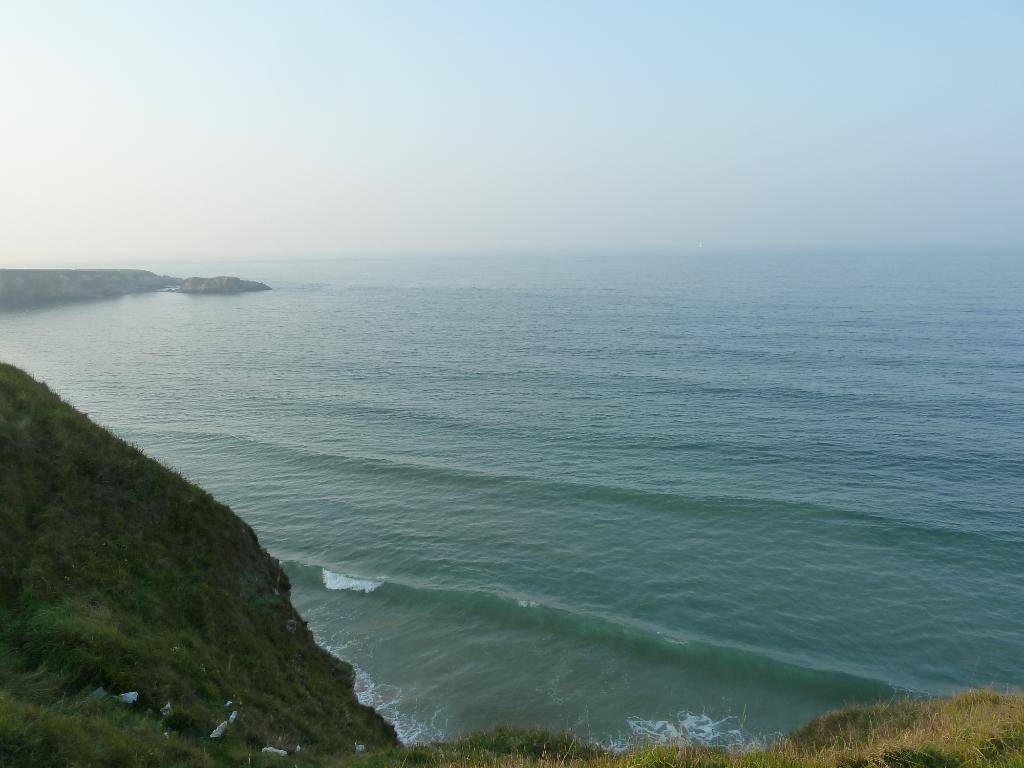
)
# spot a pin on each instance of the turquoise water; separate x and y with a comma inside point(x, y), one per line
point(627, 497)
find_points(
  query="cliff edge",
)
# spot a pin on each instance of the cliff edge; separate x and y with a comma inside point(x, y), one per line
point(134, 605)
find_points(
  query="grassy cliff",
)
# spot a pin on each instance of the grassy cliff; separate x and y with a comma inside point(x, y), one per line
point(117, 573)
point(118, 576)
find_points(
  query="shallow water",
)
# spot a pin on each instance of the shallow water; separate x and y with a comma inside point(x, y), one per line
point(635, 498)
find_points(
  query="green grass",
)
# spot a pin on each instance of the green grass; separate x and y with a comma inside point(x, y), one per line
point(117, 572)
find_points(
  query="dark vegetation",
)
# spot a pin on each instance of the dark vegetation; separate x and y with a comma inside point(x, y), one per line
point(117, 573)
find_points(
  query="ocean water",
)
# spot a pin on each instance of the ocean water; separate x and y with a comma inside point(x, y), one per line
point(655, 498)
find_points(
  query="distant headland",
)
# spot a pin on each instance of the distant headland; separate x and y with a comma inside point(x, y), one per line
point(30, 287)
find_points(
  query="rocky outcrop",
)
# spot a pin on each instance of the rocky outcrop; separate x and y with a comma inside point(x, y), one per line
point(220, 284)
point(26, 287)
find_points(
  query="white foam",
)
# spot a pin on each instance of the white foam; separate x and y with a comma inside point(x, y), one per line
point(686, 728)
point(334, 580)
point(527, 604)
point(387, 700)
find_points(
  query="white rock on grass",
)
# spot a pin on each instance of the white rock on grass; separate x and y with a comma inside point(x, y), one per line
point(219, 730)
point(129, 698)
point(275, 751)
point(165, 710)
point(232, 716)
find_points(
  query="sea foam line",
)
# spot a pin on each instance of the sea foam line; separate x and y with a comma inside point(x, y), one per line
point(387, 700)
point(341, 581)
point(334, 580)
point(686, 728)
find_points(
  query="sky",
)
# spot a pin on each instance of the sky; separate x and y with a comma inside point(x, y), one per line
point(144, 130)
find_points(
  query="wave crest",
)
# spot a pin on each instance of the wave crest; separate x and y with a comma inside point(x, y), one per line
point(334, 580)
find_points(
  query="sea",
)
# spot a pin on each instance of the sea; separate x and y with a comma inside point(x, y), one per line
point(675, 497)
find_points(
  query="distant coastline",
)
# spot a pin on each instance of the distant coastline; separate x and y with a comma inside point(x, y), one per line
point(34, 287)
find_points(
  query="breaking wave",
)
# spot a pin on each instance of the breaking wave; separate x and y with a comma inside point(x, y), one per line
point(685, 728)
point(334, 580)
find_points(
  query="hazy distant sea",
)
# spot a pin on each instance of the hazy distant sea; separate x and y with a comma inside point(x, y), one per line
point(623, 496)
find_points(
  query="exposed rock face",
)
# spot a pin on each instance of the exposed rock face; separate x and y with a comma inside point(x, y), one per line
point(25, 287)
point(220, 284)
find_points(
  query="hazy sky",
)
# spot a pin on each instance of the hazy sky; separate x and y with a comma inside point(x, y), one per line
point(144, 130)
